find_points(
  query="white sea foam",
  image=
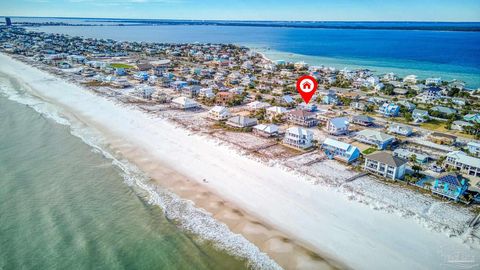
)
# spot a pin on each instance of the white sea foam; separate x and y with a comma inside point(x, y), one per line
point(188, 217)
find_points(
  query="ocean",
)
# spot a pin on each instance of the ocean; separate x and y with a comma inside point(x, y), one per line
point(65, 205)
point(426, 53)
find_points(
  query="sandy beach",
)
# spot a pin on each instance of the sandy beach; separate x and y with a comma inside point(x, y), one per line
point(299, 225)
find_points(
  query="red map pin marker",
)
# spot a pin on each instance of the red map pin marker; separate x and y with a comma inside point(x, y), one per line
point(307, 86)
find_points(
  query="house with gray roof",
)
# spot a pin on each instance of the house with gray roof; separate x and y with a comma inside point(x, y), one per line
point(464, 163)
point(373, 137)
point(420, 116)
point(241, 121)
point(400, 129)
point(338, 126)
point(363, 120)
point(386, 165)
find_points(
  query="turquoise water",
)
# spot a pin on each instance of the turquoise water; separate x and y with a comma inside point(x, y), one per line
point(427, 53)
point(64, 206)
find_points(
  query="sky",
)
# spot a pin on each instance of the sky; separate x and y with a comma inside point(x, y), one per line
point(300, 10)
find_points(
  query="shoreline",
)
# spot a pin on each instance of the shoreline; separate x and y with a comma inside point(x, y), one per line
point(288, 189)
point(287, 252)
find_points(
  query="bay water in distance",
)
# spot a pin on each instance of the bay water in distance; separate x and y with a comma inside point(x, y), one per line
point(426, 49)
point(64, 206)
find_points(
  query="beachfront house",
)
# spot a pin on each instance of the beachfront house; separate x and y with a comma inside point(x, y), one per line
point(302, 118)
point(241, 121)
point(363, 120)
point(400, 129)
point(464, 163)
point(386, 165)
point(218, 113)
point(338, 126)
point(340, 150)
point(184, 103)
point(389, 109)
point(474, 148)
point(373, 137)
point(266, 130)
point(420, 116)
point(451, 186)
point(298, 137)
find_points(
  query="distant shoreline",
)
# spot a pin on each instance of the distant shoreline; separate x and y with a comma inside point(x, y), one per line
point(349, 25)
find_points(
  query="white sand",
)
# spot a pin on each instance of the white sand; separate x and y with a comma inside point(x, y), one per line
point(322, 218)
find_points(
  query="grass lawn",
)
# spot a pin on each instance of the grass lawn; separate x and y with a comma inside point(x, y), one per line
point(120, 65)
point(436, 125)
point(368, 151)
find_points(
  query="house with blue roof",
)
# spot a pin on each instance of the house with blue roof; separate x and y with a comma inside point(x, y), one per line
point(473, 118)
point(331, 98)
point(450, 186)
point(141, 76)
point(338, 126)
point(340, 150)
point(389, 109)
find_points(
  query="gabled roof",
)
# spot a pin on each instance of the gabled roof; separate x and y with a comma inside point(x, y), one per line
point(301, 113)
point(299, 131)
point(339, 122)
point(219, 109)
point(270, 128)
point(363, 118)
point(373, 134)
point(463, 158)
point(387, 158)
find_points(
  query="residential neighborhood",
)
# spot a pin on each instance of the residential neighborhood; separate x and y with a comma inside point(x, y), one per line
point(423, 132)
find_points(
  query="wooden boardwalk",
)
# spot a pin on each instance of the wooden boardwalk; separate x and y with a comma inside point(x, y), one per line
point(360, 175)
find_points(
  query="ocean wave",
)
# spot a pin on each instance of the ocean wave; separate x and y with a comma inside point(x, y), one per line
point(188, 217)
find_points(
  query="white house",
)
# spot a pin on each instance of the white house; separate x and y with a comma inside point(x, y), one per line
point(386, 165)
point(373, 137)
point(464, 163)
point(340, 150)
point(218, 113)
point(410, 79)
point(400, 129)
point(275, 111)
point(338, 126)
point(184, 103)
point(206, 93)
point(257, 105)
point(298, 137)
point(474, 148)
point(266, 130)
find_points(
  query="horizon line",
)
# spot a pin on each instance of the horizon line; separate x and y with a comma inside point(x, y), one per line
point(235, 20)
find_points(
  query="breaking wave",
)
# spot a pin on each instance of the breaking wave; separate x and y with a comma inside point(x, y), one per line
point(183, 212)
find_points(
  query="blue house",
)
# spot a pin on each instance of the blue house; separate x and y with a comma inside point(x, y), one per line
point(450, 186)
point(340, 150)
point(120, 72)
point(141, 76)
point(331, 98)
point(389, 109)
point(178, 85)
